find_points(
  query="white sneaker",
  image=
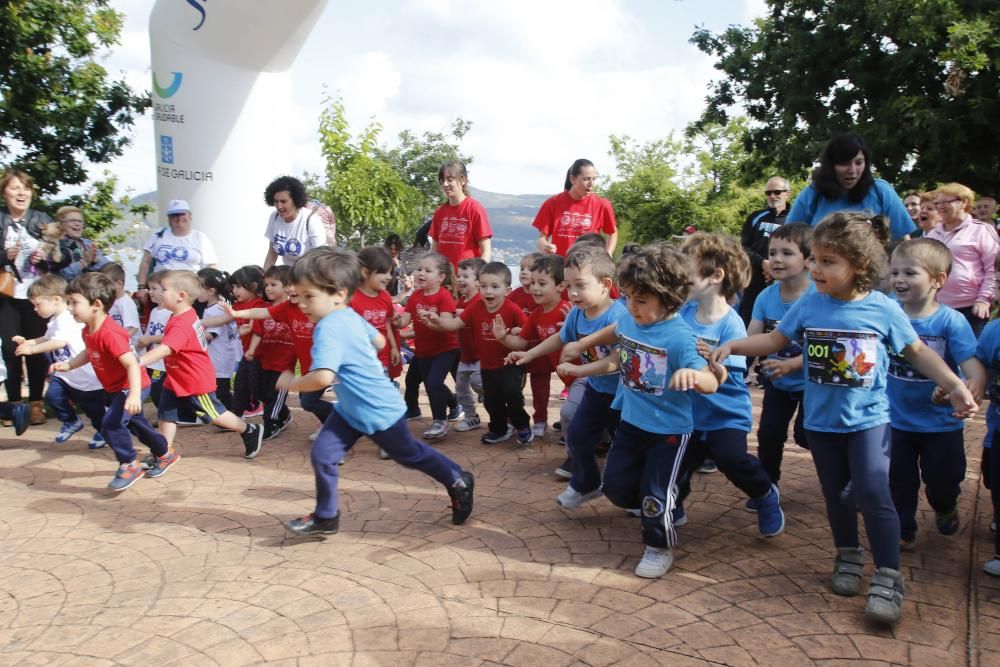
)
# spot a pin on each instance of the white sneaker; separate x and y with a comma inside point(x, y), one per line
point(438, 430)
point(382, 454)
point(538, 430)
point(469, 423)
point(655, 563)
point(315, 434)
point(571, 498)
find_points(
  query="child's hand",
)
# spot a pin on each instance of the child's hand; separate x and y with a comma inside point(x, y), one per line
point(939, 396)
point(228, 307)
point(976, 389)
point(59, 367)
point(18, 340)
point(143, 341)
point(395, 359)
point(683, 379)
point(776, 368)
point(248, 355)
point(401, 321)
point(500, 329)
point(24, 347)
point(569, 370)
point(285, 380)
point(133, 404)
point(571, 352)
point(514, 358)
point(963, 402)
point(721, 353)
point(703, 349)
point(246, 329)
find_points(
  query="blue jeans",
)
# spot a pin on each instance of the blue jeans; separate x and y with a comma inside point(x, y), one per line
point(433, 371)
point(937, 458)
point(583, 434)
point(118, 427)
point(61, 397)
point(862, 458)
point(728, 448)
point(337, 437)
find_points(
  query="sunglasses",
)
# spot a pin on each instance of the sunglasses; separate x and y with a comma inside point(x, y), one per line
point(774, 193)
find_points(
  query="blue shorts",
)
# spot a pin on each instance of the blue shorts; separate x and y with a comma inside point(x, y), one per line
point(207, 407)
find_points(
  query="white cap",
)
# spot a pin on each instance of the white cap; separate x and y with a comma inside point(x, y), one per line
point(177, 206)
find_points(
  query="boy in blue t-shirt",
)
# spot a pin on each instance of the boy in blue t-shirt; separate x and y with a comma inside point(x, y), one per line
point(589, 275)
point(988, 353)
point(926, 437)
point(719, 269)
point(658, 363)
point(781, 373)
point(344, 346)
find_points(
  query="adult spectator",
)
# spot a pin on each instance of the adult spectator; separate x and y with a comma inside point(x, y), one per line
point(756, 235)
point(844, 182)
point(576, 211)
point(974, 246)
point(394, 246)
point(78, 254)
point(176, 247)
point(20, 230)
point(985, 210)
point(911, 202)
point(293, 229)
point(460, 227)
point(928, 218)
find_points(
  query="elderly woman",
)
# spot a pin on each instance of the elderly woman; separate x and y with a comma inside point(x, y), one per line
point(20, 230)
point(844, 182)
point(78, 254)
point(974, 246)
point(292, 229)
point(928, 217)
point(176, 247)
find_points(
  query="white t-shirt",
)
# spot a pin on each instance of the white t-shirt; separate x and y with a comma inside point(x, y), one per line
point(156, 325)
point(124, 312)
point(26, 244)
point(64, 327)
point(291, 240)
point(192, 252)
point(225, 350)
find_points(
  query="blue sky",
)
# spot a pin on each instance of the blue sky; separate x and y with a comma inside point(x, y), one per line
point(543, 81)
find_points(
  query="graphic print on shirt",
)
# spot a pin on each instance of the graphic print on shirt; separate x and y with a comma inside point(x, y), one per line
point(168, 253)
point(453, 230)
point(200, 333)
point(790, 351)
point(842, 358)
point(572, 225)
point(376, 318)
point(643, 368)
point(286, 246)
point(901, 369)
point(596, 352)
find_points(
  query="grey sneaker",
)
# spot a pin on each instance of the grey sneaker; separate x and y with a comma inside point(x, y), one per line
point(538, 430)
point(470, 422)
point(885, 596)
point(456, 414)
point(655, 563)
point(847, 571)
point(438, 430)
point(571, 498)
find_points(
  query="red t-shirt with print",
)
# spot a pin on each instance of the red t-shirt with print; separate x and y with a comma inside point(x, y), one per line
point(431, 343)
point(522, 299)
point(480, 322)
point(377, 311)
point(459, 229)
point(289, 313)
point(539, 326)
point(255, 302)
point(276, 350)
point(189, 369)
point(104, 346)
point(566, 219)
point(466, 341)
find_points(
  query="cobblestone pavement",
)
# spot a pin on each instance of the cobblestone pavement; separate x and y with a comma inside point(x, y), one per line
point(195, 569)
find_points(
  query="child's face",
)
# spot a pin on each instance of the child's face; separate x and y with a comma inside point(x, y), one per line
point(833, 274)
point(493, 289)
point(205, 294)
point(468, 282)
point(172, 297)
point(702, 286)
point(644, 307)
point(524, 276)
point(787, 260)
point(427, 276)
point(317, 303)
point(274, 289)
point(47, 306)
point(82, 310)
point(241, 293)
point(377, 281)
point(156, 293)
point(119, 289)
point(291, 294)
point(544, 289)
point(585, 290)
point(912, 282)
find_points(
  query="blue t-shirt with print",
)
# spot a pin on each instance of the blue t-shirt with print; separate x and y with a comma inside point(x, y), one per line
point(578, 325)
point(730, 406)
point(769, 309)
point(949, 334)
point(367, 400)
point(846, 360)
point(811, 207)
point(650, 355)
point(988, 352)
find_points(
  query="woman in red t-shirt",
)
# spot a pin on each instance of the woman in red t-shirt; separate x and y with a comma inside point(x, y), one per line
point(574, 212)
point(460, 227)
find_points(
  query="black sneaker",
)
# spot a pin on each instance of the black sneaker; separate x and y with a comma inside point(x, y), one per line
point(252, 439)
point(21, 418)
point(565, 470)
point(274, 428)
point(412, 413)
point(557, 426)
point(312, 525)
point(461, 499)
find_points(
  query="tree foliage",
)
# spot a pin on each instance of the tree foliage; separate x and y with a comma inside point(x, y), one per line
point(104, 209)
point(59, 107)
point(916, 78)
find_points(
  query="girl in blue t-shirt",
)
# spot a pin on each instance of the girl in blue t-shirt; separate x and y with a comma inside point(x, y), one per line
point(658, 362)
point(846, 328)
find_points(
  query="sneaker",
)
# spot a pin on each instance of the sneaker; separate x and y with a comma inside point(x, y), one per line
point(538, 430)
point(655, 563)
point(256, 411)
point(469, 423)
point(908, 544)
point(885, 596)
point(456, 414)
point(947, 522)
point(413, 413)
point(752, 505)
point(992, 566)
point(382, 454)
point(847, 571)
point(68, 429)
point(438, 430)
point(564, 394)
point(635, 513)
point(557, 426)
point(571, 498)
point(252, 439)
point(524, 437)
point(492, 438)
point(148, 462)
point(97, 442)
point(313, 525)
point(21, 418)
point(993, 526)
point(770, 518)
point(163, 463)
point(461, 498)
point(678, 517)
point(278, 427)
point(127, 475)
point(565, 469)
point(315, 434)
point(707, 467)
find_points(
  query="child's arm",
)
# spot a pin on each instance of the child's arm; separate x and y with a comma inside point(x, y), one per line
point(760, 345)
point(158, 353)
point(311, 381)
point(779, 368)
point(704, 381)
point(755, 327)
point(551, 344)
point(442, 321)
point(927, 361)
point(394, 358)
point(402, 320)
point(606, 366)
point(605, 336)
point(133, 404)
point(132, 331)
point(975, 377)
point(252, 347)
point(509, 337)
point(379, 341)
point(79, 360)
point(146, 341)
point(39, 346)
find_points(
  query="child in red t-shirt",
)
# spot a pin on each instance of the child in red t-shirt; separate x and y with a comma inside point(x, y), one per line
point(521, 296)
point(547, 285)
point(469, 379)
point(247, 285)
point(372, 301)
point(501, 383)
point(109, 351)
point(190, 373)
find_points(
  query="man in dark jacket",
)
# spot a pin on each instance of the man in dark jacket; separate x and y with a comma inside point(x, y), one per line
point(756, 235)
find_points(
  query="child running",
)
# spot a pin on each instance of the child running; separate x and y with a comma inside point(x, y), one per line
point(988, 353)
point(345, 348)
point(123, 310)
point(372, 302)
point(927, 440)
point(846, 327)
point(468, 379)
point(224, 348)
point(247, 286)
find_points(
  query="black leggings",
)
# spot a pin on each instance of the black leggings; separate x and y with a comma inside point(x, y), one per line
point(18, 318)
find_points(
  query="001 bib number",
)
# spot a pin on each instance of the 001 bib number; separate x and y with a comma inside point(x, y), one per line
point(842, 358)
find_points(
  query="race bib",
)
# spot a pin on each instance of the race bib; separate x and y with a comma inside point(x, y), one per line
point(902, 369)
point(842, 358)
point(643, 368)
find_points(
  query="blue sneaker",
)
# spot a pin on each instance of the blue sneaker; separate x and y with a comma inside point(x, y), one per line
point(770, 518)
point(127, 475)
point(97, 442)
point(21, 418)
point(68, 429)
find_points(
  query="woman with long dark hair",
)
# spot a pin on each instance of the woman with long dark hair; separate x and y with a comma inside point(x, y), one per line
point(460, 227)
point(575, 211)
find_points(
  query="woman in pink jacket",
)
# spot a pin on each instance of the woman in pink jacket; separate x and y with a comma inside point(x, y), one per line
point(974, 246)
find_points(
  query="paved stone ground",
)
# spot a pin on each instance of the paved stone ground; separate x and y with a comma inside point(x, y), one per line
point(195, 569)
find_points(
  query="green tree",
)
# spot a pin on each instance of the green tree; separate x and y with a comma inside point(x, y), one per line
point(917, 79)
point(59, 107)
